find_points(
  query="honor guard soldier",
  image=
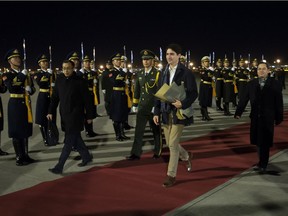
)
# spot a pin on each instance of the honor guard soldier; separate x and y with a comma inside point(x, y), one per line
point(241, 74)
point(118, 109)
point(3, 89)
point(128, 88)
point(20, 87)
point(143, 103)
point(219, 81)
point(205, 90)
point(183, 60)
point(45, 80)
point(107, 85)
point(228, 90)
point(90, 76)
point(253, 72)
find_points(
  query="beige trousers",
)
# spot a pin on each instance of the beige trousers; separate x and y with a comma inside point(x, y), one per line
point(172, 133)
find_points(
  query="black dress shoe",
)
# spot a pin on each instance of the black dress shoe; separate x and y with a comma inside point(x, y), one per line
point(21, 162)
point(133, 157)
point(91, 134)
point(84, 163)
point(262, 171)
point(55, 171)
point(2, 153)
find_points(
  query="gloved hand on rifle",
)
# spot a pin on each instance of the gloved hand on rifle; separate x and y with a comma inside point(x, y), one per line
point(49, 71)
point(24, 71)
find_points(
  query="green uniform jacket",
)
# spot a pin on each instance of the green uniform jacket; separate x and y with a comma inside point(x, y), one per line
point(145, 88)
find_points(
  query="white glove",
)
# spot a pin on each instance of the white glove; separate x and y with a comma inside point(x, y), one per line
point(95, 81)
point(82, 70)
point(152, 111)
point(211, 68)
point(28, 88)
point(125, 70)
point(134, 109)
point(49, 71)
point(127, 82)
point(233, 68)
point(24, 72)
point(104, 91)
point(52, 84)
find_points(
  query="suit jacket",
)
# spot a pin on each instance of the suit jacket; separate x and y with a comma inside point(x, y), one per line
point(185, 75)
point(73, 95)
point(266, 109)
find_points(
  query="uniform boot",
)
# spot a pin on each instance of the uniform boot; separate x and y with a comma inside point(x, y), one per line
point(226, 109)
point(116, 126)
point(44, 134)
point(89, 130)
point(203, 115)
point(122, 133)
point(19, 153)
point(207, 117)
point(218, 104)
point(26, 157)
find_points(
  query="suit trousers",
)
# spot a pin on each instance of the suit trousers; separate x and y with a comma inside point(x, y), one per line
point(72, 140)
point(172, 134)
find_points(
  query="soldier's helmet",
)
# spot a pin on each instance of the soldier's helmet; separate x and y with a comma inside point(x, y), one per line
point(41, 58)
point(86, 58)
point(241, 60)
point(226, 60)
point(147, 54)
point(73, 56)
point(12, 53)
point(116, 56)
point(205, 58)
point(219, 61)
point(123, 58)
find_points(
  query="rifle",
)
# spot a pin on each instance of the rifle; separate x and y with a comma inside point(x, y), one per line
point(96, 102)
point(50, 66)
point(27, 83)
point(82, 54)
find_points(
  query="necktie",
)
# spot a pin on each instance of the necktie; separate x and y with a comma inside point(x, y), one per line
point(168, 77)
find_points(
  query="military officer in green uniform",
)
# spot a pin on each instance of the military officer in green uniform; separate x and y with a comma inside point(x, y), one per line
point(253, 72)
point(143, 102)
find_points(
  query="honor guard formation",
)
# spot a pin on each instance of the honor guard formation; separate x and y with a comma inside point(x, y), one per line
point(77, 86)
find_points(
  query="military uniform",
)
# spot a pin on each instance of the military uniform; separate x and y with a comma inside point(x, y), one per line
point(118, 109)
point(19, 109)
point(205, 89)
point(3, 89)
point(45, 81)
point(242, 77)
point(228, 90)
point(219, 81)
point(145, 88)
point(253, 71)
point(90, 77)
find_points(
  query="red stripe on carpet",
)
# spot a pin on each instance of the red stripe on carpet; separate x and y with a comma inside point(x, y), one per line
point(135, 188)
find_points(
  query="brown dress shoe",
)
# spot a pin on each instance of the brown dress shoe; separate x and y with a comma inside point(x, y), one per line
point(189, 162)
point(169, 181)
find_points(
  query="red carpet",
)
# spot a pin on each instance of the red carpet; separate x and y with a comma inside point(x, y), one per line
point(135, 188)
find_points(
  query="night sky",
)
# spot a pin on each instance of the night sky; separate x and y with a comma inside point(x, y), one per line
point(202, 27)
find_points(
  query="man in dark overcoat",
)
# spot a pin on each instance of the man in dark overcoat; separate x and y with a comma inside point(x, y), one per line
point(265, 96)
point(20, 120)
point(71, 91)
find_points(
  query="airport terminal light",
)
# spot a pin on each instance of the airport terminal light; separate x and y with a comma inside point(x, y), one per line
point(101, 67)
point(129, 66)
point(278, 61)
point(246, 62)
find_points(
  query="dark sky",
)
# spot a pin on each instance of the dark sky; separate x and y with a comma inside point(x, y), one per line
point(202, 27)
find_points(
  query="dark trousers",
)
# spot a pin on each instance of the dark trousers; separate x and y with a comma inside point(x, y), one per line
point(73, 140)
point(141, 121)
point(107, 107)
point(263, 154)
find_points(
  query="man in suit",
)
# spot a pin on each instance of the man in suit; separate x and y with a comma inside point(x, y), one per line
point(71, 91)
point(143, 103)
point(265, 96)
point(172, 123)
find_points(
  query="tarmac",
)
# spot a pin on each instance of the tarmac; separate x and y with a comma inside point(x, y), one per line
point(246, 194)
